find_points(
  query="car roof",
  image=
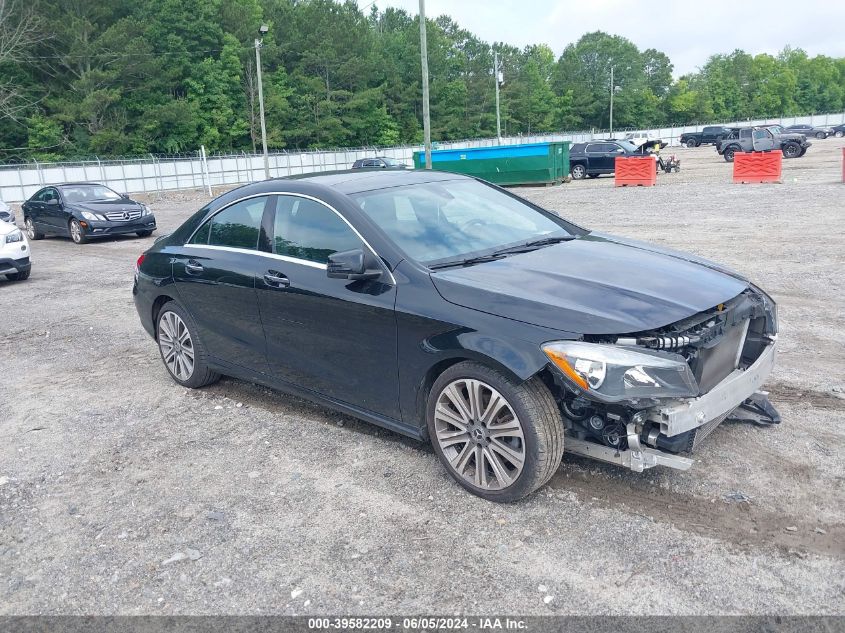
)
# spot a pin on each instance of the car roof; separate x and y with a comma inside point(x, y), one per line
point(355, 181)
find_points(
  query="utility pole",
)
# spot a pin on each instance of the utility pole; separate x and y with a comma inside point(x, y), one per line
point(258, 43)
point(612, 90)
point(496, 79)
point(426, 114)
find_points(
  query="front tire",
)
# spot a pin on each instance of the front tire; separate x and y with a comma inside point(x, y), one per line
point(791, 150)
point(181, 350)
point(839, 134)
point(76, 232)
point(31, 232)
point(579, 172)
point(144, 233)
point(19, 276)
point(821, 135)
point(499, 439)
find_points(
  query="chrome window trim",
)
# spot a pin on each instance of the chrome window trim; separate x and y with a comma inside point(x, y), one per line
point(292, 260)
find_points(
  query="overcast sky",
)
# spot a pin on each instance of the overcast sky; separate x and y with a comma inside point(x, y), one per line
point(688, 31)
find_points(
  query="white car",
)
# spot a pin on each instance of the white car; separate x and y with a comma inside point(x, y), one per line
point(6, 213)
point(15, 260)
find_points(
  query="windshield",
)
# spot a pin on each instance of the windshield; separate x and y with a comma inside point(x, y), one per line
point(88, 193)
point(450, 220)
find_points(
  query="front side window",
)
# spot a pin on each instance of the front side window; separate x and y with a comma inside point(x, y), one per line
point(440, 221)
point(306, 229)
point(238, 226)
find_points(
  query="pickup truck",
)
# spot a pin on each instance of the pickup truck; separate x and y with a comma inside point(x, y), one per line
point(710, 134)
point(761, 139)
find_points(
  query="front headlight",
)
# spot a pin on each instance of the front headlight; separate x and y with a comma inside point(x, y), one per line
point(612, 373)
point(145, 210)
point(94, 217)
point(14, 236)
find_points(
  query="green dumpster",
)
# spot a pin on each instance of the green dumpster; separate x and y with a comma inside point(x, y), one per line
point(528, 164)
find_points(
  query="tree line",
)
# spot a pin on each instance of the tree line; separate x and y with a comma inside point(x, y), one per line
point(120, 78)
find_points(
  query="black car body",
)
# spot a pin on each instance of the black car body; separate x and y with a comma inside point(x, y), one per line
point(710, 134)
point(598, 157)
point(818, 131)
point(83, 211)
point(316, 286)
point(378, 162)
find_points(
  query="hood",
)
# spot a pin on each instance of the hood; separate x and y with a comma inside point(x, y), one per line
point(7, 227)
point(105, 206)
point(793, 136)
point(596, 284)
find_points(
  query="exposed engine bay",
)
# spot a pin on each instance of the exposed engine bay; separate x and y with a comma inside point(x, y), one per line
point(728, 350)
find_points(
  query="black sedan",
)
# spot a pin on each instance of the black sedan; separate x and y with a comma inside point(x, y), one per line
point(378, 162)
point(818, 131)
point(445, 308)
point(83, 211)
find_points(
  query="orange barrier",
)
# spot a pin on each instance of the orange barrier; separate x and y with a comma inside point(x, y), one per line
point(758, 166)
point(635, 171)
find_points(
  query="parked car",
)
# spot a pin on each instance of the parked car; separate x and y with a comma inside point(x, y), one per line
point(84, 211)
point(378, 162)
point(761, 139)
point(6, 213)
point(598, 157)
point(819, 131)
point(839, 130)
point(449, 310)
point(709, 135)
point(15, 261)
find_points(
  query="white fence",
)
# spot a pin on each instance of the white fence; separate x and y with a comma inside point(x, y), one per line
point(19, 182)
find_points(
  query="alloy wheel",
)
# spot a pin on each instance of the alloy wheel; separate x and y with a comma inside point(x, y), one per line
point(30, 228)
point(75, 231)
point(479, 434)
point(177, 348)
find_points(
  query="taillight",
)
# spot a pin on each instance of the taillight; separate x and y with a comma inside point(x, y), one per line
point(139, 262)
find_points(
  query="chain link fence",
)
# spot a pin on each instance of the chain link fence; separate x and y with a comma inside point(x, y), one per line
point(200, 172)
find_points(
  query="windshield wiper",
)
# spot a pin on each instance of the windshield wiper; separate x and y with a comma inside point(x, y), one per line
point(469, 261)
point(535, 244)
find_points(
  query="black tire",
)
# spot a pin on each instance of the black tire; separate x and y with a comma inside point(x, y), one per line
point(144, 233)
point(19, 276)
point(839, 134)
point(692, 143)
point(77, 234)
point(791, 150)
point(31, 232)
point(593, 175)
point(803, 151)
point(578, 171)
point(537, 415)
point(201, 375)
point(729, 152)
point(821, 135)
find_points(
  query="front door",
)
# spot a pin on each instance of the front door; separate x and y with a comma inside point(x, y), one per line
point(762, 140)
point(335, 337)
point(215, 279)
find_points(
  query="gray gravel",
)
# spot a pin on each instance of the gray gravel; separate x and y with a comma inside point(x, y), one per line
point(123, 493)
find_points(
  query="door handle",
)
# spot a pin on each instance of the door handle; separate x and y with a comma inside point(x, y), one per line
point(193, 267)
point(275, 279)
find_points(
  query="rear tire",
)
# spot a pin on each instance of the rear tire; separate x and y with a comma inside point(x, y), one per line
point(181, 349)
point(579, 172)
point(514, 429)
point(692, 143)
point(839, 134)
point(728, 154)
point(821, 135)
point(19, 276)
point(31, 232)
point(594, 175)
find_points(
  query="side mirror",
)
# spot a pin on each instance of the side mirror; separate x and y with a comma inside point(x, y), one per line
point(350, 265)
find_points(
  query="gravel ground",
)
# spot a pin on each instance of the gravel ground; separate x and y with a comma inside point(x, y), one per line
point(123, 493)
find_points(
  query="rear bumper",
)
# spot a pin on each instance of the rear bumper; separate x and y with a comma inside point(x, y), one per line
point(679, 416)
point(9, 265)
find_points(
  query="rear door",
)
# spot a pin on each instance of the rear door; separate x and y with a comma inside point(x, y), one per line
point(215, 279)
point(334, 337)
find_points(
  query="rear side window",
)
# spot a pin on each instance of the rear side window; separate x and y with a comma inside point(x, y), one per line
point(305, 229)
point(238, 226)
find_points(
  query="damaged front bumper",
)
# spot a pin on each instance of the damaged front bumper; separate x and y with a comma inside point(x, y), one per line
point(695, 417)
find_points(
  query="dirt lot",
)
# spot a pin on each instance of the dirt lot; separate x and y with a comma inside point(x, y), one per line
point(121, 492)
